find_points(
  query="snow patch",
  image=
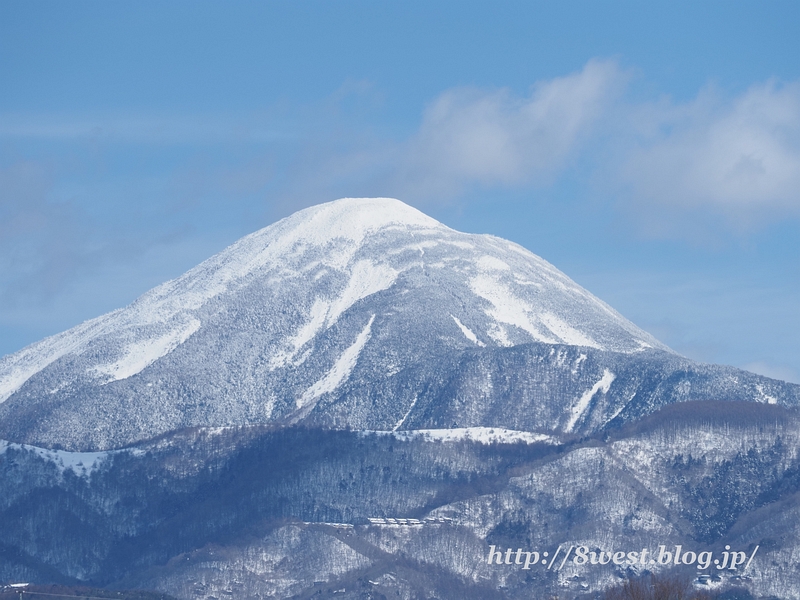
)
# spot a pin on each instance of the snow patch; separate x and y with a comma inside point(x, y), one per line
point(16, 378)
point(143, 353)
point(766, 397)
point(366, 278)
point(566, 333)
point(460, 244)
point(317, 316)
point(467, 332)
point(482, 435)
point(506, 307)
point(578, 362)
point(491, 263)
point(583, 403)
point(340, 371)
point(80, 463)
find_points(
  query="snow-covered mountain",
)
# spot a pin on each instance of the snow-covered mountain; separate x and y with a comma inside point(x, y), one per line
point(494, 402)
point(361, 313)
point(286, 313)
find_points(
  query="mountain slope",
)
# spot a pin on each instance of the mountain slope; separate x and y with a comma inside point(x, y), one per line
point(257, 512)
point(360, 313)
point(278, 320)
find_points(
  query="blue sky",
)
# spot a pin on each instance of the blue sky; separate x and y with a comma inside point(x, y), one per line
point(650, 150)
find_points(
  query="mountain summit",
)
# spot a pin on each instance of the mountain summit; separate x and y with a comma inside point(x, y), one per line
point(360, 313)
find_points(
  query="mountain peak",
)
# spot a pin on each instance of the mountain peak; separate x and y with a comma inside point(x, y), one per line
point(333, 230)
point(354, 217)
point(286, 320)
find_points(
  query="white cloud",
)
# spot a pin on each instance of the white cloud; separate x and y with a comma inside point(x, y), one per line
point(738, 159)
point(682, 169)
point(473, 136)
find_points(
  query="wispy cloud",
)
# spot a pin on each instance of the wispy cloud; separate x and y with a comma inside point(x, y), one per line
point(680, 170)
point(677, 169)
point(694, 169)
point(737, 159)
point(472, 136)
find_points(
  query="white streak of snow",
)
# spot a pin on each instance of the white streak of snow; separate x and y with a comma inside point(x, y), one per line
point(417, 246)
point(319, 311)
point(468, 332)
point(145, 352)
point(27, 362)
point(366, 278)
point(339, 371)
point(506, 307)
point(405, 416)
point(620, 409)
point(583, 403)
point(566, 333)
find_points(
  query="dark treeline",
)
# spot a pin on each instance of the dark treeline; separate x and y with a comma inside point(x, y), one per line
point(138, 511)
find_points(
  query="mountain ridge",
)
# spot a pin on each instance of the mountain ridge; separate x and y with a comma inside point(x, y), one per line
point(278, 321)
